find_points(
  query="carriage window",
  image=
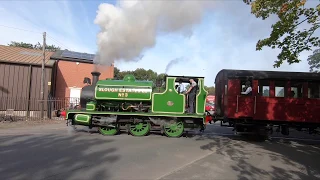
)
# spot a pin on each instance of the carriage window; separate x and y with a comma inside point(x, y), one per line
point(280, 88)
point(243, 86)
point(264, 88)
point(296, 89)
point(314, 90)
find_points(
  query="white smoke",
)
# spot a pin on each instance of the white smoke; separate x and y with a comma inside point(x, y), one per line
point(131, 27)
point(173, 62)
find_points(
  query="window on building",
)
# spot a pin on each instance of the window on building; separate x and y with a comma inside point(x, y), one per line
point(264, 88)
point(314, 90)
point(280, 89)
point(296, 89)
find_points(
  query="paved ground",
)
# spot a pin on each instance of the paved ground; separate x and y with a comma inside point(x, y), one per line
point(56, 152)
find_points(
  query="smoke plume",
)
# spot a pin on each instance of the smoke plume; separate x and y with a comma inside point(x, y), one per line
point(131, 27)
point(173, 62)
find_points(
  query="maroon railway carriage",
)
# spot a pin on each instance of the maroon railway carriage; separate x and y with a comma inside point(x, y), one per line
point(277, 98)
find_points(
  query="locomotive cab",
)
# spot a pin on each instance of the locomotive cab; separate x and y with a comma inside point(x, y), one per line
point(172, 101)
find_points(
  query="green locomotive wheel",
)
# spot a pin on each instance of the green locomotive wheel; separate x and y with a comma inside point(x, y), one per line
point(174, 129)
point(140, 129)
point(109, 131)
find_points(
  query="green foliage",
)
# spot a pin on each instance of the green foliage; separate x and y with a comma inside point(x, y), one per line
point(142, 74)
point(211, 90)
point(314, 61)
point(139, 74)
point(285, 34)
point(34, 46)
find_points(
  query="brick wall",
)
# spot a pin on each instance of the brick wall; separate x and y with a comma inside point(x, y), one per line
point(71, 74)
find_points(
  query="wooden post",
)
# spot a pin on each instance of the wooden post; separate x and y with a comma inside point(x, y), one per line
point(42, 75)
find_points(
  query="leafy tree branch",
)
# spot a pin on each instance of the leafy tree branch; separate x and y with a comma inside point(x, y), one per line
point(314, 61)
point(34, 46)
point(285, 33)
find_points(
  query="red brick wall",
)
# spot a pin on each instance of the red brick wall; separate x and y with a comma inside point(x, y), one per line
point(70, 74)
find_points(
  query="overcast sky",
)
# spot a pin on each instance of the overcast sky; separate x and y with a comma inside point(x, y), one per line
point(224, 39)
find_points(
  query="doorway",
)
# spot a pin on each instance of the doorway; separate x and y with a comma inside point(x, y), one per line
point(74, 97)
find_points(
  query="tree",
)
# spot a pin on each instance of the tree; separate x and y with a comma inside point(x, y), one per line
point(149, 75)
point(285, 34)
point(211, 90)
point(34, 46)
point(116, 73)
point(140, 74)
point(280, 93)
point(314, 61)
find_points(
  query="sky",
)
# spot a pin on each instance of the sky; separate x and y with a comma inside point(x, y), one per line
point(224, 39)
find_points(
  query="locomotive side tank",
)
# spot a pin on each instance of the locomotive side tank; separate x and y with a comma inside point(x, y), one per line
point(127, 89)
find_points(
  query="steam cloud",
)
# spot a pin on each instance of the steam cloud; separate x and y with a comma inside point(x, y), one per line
point(132, 26)
point(173, 62)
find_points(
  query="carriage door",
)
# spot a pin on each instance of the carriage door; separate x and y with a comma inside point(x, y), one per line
point(245, 102)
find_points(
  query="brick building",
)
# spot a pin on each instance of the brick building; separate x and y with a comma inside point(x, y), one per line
point(20, 77)
point(70, 70)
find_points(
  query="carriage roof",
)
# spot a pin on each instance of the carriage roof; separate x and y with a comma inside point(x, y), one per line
point(280, 75)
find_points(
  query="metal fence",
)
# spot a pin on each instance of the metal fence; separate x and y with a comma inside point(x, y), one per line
point(15, 108)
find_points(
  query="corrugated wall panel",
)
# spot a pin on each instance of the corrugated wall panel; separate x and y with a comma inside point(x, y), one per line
point(14, 93)
point(11, 74)
point(6, 79)
point(35, 89)
point(3, 90)
point(35, 97)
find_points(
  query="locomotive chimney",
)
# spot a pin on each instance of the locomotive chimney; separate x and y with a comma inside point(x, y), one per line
point(95, 77)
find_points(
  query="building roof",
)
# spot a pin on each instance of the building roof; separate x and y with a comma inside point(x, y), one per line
point(67, 55)
point(19, 55)
point(73, 56)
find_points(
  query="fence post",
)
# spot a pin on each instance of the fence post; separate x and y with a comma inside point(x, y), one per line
point(29, 91)
point(28, 107)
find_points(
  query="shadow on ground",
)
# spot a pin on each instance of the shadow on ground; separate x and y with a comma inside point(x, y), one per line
point(271, 159)
point(55, 157)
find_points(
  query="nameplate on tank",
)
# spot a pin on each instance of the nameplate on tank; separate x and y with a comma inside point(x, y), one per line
point(124, 90)
point(138, 93)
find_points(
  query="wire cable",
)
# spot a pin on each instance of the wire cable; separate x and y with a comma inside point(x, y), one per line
point(49, 36)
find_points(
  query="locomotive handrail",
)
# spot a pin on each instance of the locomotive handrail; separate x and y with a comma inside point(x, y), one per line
point(237, 103)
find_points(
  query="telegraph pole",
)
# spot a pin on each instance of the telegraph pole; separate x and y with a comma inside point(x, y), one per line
point(42, 74)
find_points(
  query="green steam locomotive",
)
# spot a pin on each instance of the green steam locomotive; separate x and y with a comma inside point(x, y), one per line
point(138, 107)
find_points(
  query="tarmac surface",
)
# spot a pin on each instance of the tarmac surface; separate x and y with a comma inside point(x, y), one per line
point(58, 152)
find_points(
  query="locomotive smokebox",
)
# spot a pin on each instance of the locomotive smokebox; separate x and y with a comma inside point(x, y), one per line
point(87, 92)
point(95, 77)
